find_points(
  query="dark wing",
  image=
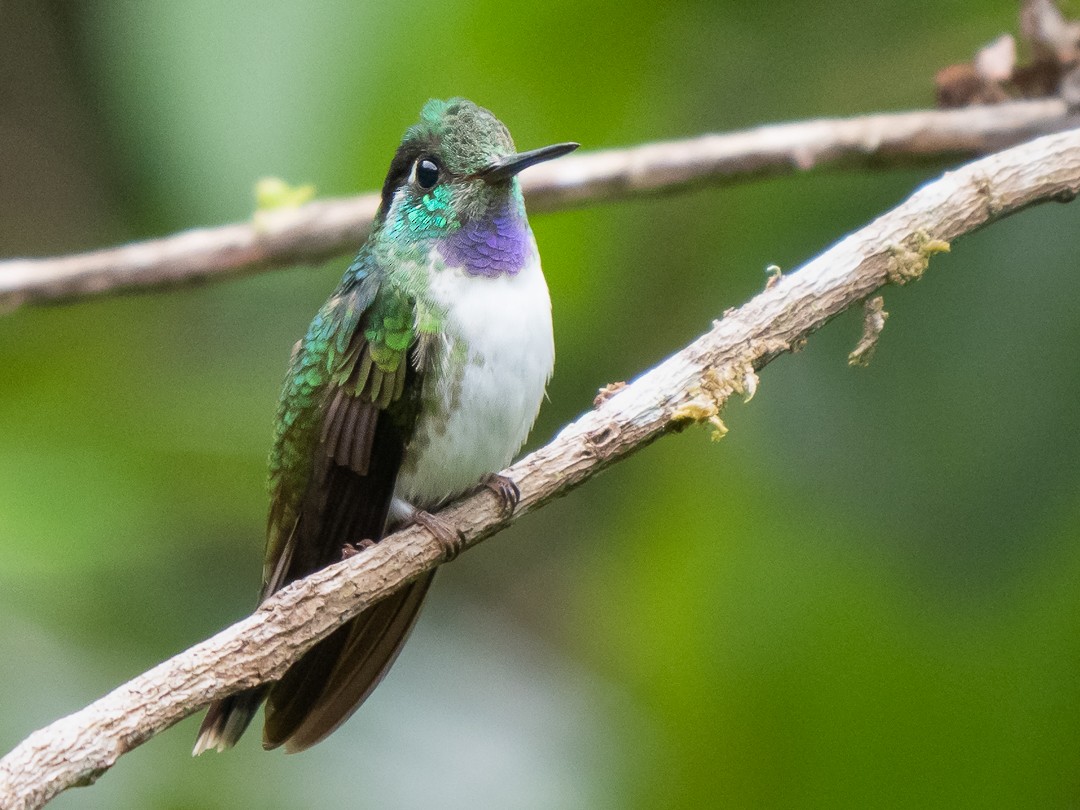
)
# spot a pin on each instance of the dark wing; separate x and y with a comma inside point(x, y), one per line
point(346, 415)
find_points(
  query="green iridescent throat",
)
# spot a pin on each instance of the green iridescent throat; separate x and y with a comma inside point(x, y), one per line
point(431, 217)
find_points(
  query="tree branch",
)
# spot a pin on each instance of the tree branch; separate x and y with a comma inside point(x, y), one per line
point(691, 386)
point(327, 228)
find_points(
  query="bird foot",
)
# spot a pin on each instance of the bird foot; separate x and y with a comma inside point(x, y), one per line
point(452, 540)
point(351, 549)
point(505, 490)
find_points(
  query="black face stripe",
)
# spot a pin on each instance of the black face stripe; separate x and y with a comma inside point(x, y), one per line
point(398, 174)
point(401, 167)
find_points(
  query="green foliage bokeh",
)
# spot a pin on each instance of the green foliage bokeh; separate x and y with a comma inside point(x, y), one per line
point(865, 595)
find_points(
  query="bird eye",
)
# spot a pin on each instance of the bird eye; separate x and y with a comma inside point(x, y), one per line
point(426, 173)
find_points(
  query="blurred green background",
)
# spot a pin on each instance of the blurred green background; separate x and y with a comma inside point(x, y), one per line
point(866, 595)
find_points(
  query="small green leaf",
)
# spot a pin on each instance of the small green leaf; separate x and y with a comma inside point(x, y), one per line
point(273, 193)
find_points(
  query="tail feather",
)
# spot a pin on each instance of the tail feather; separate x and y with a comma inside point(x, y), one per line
point(321, 690)
point(227, 719)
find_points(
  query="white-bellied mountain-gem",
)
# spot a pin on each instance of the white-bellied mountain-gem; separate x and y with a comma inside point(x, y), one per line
point(417, 380)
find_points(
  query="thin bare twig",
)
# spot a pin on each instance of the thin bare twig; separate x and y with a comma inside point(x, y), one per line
point(327, 228)
point(874, 317)
point(691, 386)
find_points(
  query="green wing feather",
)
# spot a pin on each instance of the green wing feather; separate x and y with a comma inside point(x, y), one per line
point(355, 354)
point(343, 421)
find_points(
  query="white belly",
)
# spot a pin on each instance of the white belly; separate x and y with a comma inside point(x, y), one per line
point(484, 392)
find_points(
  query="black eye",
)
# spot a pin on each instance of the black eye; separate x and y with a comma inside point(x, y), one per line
point(427, 173)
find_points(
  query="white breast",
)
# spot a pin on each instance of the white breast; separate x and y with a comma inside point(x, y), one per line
point(489, 379)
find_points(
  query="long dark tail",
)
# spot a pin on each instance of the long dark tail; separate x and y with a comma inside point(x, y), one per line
point(320, 691)
point(347, 500)
point(226, 720)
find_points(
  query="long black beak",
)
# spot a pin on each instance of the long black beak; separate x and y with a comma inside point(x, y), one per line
point(509, 165)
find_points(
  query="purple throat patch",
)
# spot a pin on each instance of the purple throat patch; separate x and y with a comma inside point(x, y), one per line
point(489, 247)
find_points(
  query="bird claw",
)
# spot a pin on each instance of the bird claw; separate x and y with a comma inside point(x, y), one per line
point(452, 540)
point(352, 549)
point(505, 490)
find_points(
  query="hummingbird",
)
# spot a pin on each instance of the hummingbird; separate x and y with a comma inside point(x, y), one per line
point(417, 380)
